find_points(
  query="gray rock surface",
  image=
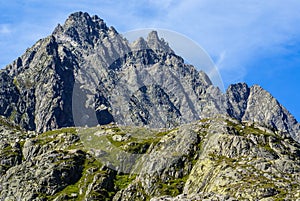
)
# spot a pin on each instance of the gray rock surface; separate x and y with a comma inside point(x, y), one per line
point(227, 161)
point(213, 159)
point(86, 73)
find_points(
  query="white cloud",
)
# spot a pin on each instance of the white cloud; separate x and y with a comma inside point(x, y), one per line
point(221, 58)
point(166, 4)
point(239, 28)
point(5, 29)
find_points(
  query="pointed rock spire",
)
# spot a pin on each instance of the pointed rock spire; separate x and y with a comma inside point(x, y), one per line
point(139, 44)
point(157, 44)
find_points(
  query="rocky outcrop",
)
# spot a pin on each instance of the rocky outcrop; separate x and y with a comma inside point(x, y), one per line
point(257, 105)
point(212, 159)
point(46, 167)
point(227, 160)
point(244, 163)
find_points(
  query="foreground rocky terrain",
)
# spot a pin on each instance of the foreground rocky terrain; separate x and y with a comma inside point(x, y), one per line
point(214, 159)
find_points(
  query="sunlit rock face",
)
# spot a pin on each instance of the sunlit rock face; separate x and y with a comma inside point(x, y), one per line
point(86, 73)
point(218, 158)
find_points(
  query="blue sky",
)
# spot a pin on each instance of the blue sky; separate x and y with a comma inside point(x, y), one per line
point(252, 41)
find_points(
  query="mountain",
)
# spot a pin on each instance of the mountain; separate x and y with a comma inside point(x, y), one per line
point(86, 73)
point(87, 115)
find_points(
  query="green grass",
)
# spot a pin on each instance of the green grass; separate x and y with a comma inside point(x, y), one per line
point(172, 187)
point(243, 130)
point(84, 181)
point(123, 180)
point(220, 159)
point(204, 120)
point(164, 133)
point(52, 136)
point(59, 131)
point(13, 115)
point(16, 83)
point(140, 139)
point(7, 122)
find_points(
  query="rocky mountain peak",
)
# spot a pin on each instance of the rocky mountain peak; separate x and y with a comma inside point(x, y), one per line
point(83, 19)
point(37, 88)
point(155, 43)
point(237, 96)
point(139, 44)
point(82, 28)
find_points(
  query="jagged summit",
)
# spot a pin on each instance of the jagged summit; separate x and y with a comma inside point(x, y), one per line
point(139, 44)
point(155, 43)
point(83, 28)
point(143, 83)
point(152, 42)
point(83, 19)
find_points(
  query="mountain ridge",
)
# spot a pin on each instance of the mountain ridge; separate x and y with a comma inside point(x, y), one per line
point(85, 48)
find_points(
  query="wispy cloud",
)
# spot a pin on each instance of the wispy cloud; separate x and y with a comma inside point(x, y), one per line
point(5, 29)
point(239, 28)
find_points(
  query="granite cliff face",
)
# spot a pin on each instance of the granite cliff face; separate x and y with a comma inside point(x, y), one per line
point(143, 83)
point(241, 144)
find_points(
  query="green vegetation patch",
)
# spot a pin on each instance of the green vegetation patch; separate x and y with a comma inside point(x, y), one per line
point(9, 123)
point(64, 138)
point(123, 180)
point(78, 190)
point(59, 131)
point(172, 187)
point(244, 129)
